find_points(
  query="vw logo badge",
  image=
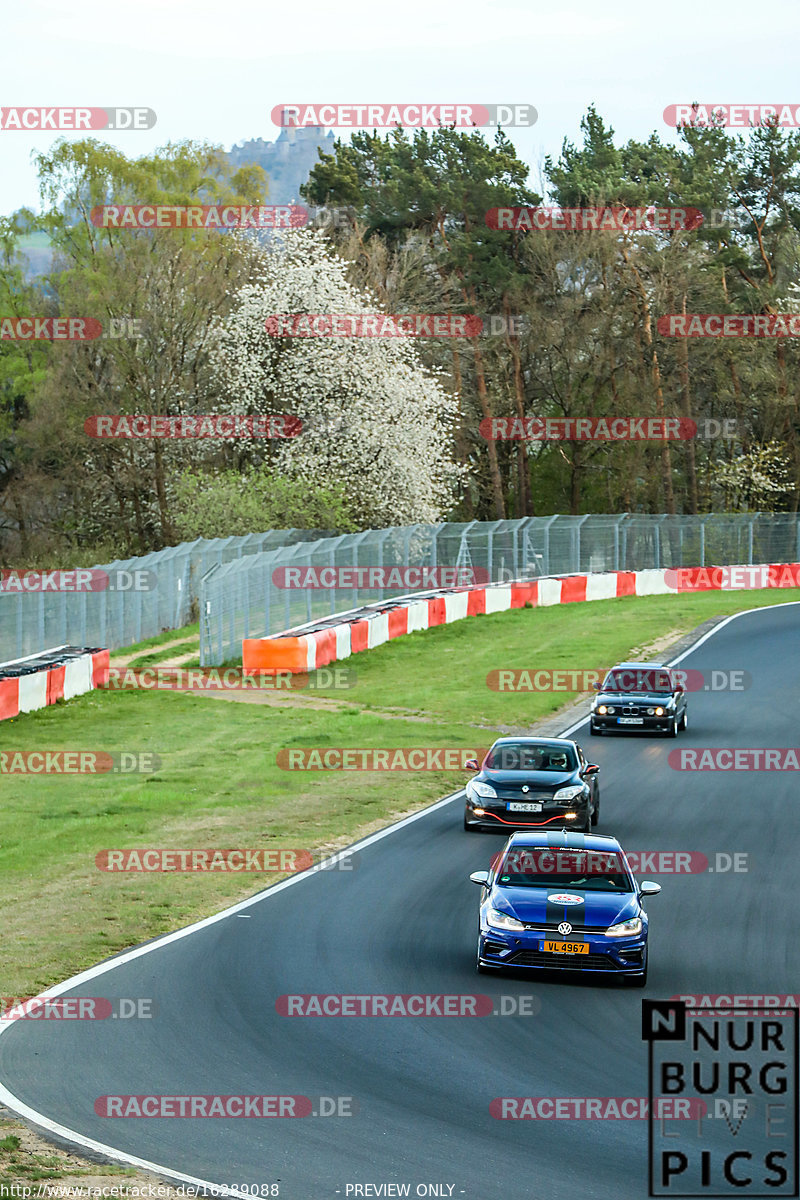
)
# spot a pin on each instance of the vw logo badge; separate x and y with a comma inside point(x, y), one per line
point(525, 788)
point(565, 928)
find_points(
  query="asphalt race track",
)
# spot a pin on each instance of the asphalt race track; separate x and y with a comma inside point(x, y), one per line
point(405, 921)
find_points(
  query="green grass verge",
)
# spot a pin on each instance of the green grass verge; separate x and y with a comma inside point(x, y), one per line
point(218, 784)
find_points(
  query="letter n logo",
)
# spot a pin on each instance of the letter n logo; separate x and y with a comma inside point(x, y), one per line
point(663, 1021)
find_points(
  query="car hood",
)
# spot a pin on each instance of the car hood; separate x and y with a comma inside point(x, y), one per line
point(536, 906)
point(537, 779)
point(662, 698)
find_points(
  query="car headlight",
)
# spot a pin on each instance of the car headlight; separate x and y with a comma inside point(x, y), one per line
point(568, 793)
point(625, 928)
point(659, 712)
point(651, 712)
point(501, 920)
point(602, 708)
point(610, 709)
point(476, 788)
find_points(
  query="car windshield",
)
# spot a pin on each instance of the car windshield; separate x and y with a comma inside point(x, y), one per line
point(637, 679)
point(590, 870)
point(517, 756)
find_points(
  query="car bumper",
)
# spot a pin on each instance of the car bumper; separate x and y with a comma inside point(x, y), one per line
point(523, 951)
point(647, 725)
point(551, 817)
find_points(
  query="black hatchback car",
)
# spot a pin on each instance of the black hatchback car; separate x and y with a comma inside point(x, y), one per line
point(640, 696)
point(533, 783)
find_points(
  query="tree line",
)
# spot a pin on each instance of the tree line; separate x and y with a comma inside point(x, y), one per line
point(394, 432)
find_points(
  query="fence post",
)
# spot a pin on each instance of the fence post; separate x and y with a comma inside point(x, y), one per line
point(657, 541)
point(617, 526)
point(205, 616)
point(578, 528)
point(547, 543)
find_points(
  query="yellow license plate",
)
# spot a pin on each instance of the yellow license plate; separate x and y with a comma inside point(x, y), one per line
point(566, 947)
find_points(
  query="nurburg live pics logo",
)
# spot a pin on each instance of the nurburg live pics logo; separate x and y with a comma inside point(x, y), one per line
point(743, 1062)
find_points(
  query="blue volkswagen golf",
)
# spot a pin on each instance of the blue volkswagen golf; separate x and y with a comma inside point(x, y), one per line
point(564, 901)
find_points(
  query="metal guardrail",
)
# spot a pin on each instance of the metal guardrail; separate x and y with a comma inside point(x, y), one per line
point(30, 621)
point(227, 582)
point(242, 599)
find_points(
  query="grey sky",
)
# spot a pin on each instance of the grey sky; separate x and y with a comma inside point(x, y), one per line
point(215, 71)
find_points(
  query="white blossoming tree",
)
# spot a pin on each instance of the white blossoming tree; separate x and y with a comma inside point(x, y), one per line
point(756, 480)
point(376, 420)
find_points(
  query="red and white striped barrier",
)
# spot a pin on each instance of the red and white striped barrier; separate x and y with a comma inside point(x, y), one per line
point(308, 649)
point(75, 676)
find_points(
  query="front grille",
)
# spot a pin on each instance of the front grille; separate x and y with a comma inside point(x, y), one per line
point(506, 791)
point(572, 962)
point(553, 929)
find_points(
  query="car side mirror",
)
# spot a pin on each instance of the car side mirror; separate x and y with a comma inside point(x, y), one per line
point(595, 686)
point(471, 764)
point(679, 688)
point(482, 877)
point(647, 888)
point(591, 769)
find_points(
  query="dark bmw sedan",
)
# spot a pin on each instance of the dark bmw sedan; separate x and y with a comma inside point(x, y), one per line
point(533, 783)
point(647, 697)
